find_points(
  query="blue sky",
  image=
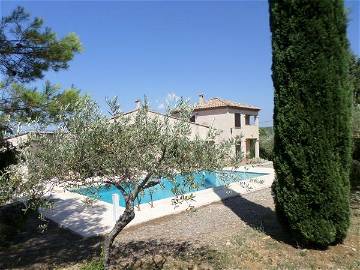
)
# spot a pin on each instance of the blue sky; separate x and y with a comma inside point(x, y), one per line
point(132, 49)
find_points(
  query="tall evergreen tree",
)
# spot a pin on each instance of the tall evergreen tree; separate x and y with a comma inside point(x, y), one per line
point(312, 118)
point(27, 51)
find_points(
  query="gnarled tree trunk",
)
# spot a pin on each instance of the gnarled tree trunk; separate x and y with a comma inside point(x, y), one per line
point(120, 224)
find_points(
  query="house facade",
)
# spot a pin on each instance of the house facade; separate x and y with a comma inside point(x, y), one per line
point(233, 120)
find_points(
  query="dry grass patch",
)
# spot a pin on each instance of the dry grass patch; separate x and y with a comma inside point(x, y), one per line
point(254, 249)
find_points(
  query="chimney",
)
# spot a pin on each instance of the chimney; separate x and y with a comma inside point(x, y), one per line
point(137, 104)
point(201, 99)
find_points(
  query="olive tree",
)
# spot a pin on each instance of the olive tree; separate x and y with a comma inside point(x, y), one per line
point(132, 152)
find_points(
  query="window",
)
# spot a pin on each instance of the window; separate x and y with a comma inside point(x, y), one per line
point(250, 119)
point(192, 119)
point(247, 119)
point(237, 120)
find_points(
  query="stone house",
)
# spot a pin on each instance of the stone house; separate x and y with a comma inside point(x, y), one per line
point(234, 120)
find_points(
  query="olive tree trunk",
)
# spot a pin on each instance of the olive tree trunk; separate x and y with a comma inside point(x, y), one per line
point(124, 219)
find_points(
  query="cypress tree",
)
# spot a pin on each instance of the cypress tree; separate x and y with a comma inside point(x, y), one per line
point(312, 118)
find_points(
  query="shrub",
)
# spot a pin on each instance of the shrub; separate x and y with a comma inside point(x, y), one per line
point(356, 149)
point(266, 143)
point(355, 175)
point(12, 219)
point(8, 155)
point(312, 119)
point(356, 116)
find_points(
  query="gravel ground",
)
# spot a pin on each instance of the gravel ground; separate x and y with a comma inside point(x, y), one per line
point(212, 225)
point(195, 236)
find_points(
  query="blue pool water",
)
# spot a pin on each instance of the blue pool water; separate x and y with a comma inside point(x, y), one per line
point(201, 180)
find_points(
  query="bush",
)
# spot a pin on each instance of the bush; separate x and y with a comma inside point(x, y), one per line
point(356, 149)
point(356, 114)
point(266, 143)
point(312, 119)
point(12, 220)
point(355, 176)
point(8, 155)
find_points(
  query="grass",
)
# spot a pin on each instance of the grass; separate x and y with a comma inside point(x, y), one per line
point(253, 249)
point(95, 264)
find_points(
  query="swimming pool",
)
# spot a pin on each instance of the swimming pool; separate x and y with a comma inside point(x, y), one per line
point(201, 180)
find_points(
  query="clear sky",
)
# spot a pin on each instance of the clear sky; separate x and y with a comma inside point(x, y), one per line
point(132, 49)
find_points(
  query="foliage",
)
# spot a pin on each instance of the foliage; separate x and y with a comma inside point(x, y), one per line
point(132, 152)
point(96, 264)
point(356, 120)
point(312, 119)
point(8, 155)
point(356, 151)
point(266, 142)
point(28, 49)
point(12, 219)
point(355, 77)
point(20, 104)
point(355, 175)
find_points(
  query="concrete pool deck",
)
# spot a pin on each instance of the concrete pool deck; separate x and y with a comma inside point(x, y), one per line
point(70, 210)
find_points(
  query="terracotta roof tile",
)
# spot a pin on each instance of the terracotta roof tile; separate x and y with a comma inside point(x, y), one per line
point(219, 102)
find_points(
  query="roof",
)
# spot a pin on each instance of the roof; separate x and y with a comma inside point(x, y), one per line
point(222, 103)
point(155, 112)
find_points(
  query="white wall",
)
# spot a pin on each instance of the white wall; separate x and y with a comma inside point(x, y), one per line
point(196, 129)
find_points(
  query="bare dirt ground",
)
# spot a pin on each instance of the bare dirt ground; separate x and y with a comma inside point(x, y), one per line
point(237, 233)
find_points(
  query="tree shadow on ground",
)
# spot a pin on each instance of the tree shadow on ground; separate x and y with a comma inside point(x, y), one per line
point(155, 253)
point(256, 216)
point(56, 247)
